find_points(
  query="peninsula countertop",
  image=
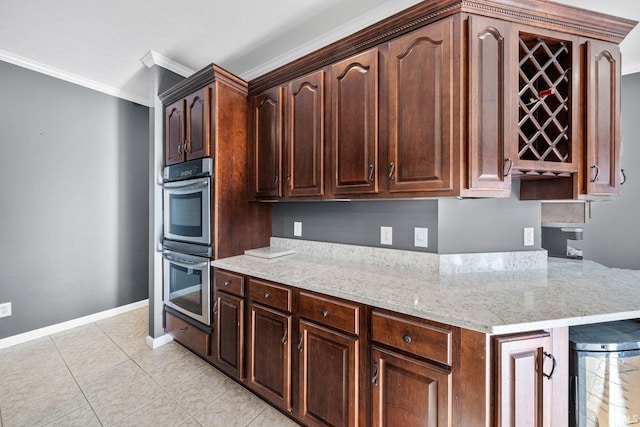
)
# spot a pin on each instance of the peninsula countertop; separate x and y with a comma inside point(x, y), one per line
point(565, 293)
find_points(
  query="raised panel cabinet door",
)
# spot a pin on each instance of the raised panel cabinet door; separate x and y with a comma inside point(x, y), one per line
point(408, 392)
point(267, 142)
point(229, 334)
point(491, 105)
point(174, 133)
point(354, 124)
point(421, 110)
point(603, 118)
point(305, 136)
point(270, 355)
point(523, 397)
point(198, 124)
point(328, 377)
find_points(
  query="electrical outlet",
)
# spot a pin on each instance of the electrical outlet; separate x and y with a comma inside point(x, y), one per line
point(386, 235)
point(528, 236)
point(421, 237)
point(297, 229)
point(5, 309)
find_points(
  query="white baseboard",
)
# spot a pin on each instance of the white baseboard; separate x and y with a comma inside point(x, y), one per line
point(160, 341)
point(59, 327)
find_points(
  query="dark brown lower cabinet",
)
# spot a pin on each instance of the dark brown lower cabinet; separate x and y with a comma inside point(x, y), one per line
point(524, 388)
point(409, 392)
point(328, 376)
point(269, 355)
point(228, 345)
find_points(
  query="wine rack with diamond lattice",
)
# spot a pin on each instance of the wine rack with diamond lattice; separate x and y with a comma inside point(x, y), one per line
point(544, 98)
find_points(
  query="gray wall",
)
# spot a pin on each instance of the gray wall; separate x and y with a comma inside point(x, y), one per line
point(358, 222)
point(612, 235)
point(73, 200)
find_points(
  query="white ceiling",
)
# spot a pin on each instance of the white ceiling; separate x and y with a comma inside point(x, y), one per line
point(100, 43)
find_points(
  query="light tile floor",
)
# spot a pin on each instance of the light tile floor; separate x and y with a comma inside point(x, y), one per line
point(104, 374)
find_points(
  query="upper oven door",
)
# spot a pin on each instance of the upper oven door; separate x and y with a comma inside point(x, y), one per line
point(187, 210)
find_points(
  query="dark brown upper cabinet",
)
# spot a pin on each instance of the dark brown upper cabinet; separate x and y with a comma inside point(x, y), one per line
point(187, 124)
point(354, 124)
point(304, 137)
point(420, 108)
point(266, 132)
point(490, 106)
point(602, 151)
point(457, 99)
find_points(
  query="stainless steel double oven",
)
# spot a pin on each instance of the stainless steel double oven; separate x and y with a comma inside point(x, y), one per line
point(187, 238)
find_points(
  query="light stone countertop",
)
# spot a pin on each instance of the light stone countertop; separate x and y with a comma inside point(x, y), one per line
point(564, 293)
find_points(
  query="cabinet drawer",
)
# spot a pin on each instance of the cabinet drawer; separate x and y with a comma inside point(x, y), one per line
point(188, 335)
point(423, 340)
point(270, 294)
point(229, 282)
point(330, 312)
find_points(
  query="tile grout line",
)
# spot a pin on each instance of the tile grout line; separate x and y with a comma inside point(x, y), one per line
point(77, 384)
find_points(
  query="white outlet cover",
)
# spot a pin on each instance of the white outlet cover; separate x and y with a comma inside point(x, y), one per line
point(297, 228)
point(421, 237)
point(529, 236)
point(5, 309)
point(386, 235)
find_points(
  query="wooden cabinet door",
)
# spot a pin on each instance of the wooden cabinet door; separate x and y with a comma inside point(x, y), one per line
point(198, 124)
point(328, 377)
point(305, 136)
point(421, 109)
point(603, 119)
point(408, 392)
point(174, 133)
point(354, 124)
point(266, 131)
point(229, 334)
point(270, 355)
point(491, 105)
point(523, 397)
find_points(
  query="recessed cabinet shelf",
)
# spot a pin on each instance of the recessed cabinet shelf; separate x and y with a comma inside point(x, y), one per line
point(544, 101)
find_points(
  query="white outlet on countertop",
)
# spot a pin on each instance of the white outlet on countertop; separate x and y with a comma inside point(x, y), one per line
point(297, 229)
point(386, 235)
point(421, 237)
point(528, 236)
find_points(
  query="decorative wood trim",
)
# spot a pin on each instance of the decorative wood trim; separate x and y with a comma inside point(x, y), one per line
point(152, 58)
point(206, 76)
point(539, 13)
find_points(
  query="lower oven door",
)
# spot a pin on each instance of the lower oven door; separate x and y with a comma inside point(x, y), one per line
point(187, 285)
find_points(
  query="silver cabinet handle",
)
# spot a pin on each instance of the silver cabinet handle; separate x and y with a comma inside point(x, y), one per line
point(186, 146)
point(508, 173)
point(227, 282)
point(624, 177)
point(392, 168)
point(275, 181)
point(376, 371)
point(215, 307)
point(300, 343)
point(324, 313)
point(406, 338)
point(284, 336)
point(179, 148)
point(371, 168)
point(266, 295)
point(553, 365)
point(595, 178)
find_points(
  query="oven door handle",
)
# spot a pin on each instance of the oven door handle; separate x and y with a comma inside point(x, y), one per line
point(184, 262)
point(176, 187)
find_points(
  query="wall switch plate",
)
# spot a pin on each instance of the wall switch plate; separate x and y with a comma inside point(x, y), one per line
point(528, 236)
point(297, 228)
point(5, 309)
point(421, 237)
point(386, 235)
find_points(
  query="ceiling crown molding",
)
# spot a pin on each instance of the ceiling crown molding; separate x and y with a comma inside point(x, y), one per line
point(71, 78)
point(152, 58)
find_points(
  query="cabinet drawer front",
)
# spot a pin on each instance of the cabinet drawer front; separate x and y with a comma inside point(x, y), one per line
point(327, 311)
point(229, 282)
point(422, 340)
point(270, 294)
point(186, 334)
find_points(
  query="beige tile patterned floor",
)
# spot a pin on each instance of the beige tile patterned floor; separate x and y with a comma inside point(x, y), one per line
point(103, 374)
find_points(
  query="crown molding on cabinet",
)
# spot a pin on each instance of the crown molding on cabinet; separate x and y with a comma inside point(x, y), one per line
point(71, 78)
point(152, 58)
